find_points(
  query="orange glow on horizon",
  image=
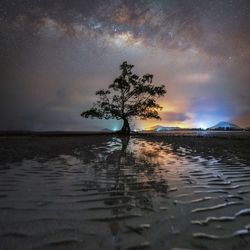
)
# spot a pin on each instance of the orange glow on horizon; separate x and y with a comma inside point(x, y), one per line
point(168, 108)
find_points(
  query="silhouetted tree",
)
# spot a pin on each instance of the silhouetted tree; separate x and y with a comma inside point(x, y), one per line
point(128, 96)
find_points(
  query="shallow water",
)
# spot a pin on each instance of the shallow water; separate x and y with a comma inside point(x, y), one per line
point(104, 192)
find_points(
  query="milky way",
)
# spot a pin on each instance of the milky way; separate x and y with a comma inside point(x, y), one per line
point(55, 54)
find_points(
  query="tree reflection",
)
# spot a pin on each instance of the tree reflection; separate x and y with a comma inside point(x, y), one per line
point(127, 176)
point(128, 173)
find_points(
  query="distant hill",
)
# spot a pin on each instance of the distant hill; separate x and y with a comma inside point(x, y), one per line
point(225, 126)
point(159, 128)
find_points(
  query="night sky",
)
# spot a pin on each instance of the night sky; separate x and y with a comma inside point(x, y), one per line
point(54, 55)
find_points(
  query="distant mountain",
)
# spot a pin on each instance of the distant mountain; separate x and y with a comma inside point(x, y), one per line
point(225, 126)
point(159, 128)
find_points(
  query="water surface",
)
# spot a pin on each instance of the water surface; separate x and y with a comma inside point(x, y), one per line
point(106, 192)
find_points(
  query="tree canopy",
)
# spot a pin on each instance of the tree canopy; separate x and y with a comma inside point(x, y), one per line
point(128, 96)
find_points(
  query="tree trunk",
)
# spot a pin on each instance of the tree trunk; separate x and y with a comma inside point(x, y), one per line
point(125, 128)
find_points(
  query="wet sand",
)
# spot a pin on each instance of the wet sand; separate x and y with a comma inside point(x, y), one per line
point(107, 192)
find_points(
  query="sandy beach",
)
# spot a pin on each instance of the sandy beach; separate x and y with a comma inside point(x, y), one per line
point(151, 191)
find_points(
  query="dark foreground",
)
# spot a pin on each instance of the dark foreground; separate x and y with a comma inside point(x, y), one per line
point(107, 192)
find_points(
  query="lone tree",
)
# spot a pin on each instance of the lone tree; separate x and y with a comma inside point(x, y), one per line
point(128, 96)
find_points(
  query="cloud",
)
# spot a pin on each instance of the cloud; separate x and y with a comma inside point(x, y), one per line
point(193, 78)
point(174, 117)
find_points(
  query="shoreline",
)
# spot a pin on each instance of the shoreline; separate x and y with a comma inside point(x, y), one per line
point(180, 133)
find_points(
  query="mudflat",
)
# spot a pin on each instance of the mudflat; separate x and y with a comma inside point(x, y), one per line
point(149, 191)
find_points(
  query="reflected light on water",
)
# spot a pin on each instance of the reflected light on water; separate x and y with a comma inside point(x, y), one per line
point(122, 193)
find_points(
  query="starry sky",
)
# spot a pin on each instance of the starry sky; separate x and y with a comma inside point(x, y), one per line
point(55, 54)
